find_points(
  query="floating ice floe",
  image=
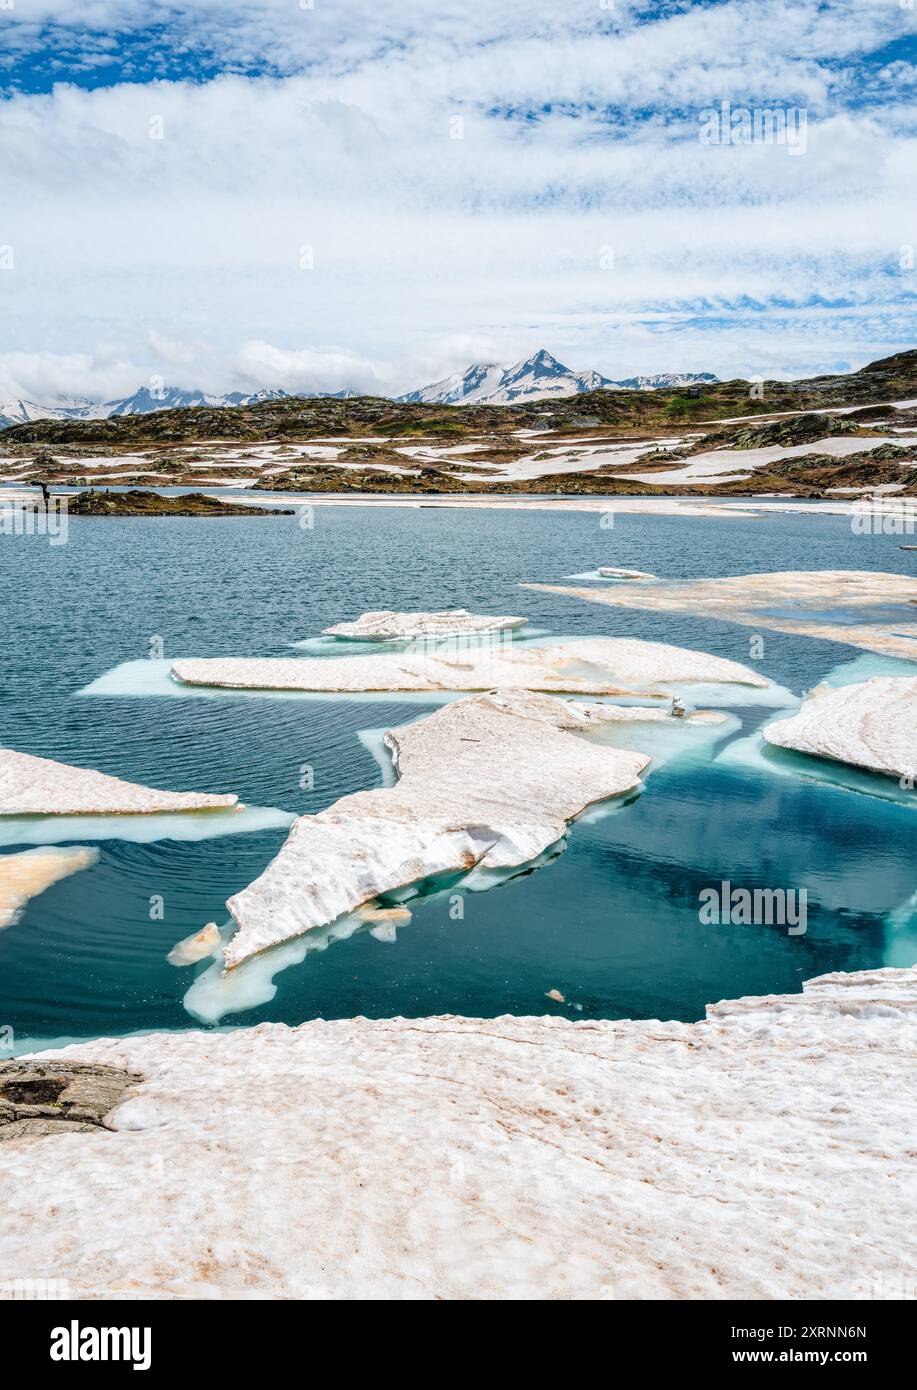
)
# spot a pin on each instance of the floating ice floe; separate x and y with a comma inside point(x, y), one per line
point(584, 666)
point(31, 786)
point(754, 755)
point(216, 992)
point(485, 783)
point(871, 725)
point(874, 611)
point(656, 1160)
point(386, 626)
point(863, 667)
point(196, 947)
point(24, 876)
point(43, 802)
point(607, 572)
point(153, 678)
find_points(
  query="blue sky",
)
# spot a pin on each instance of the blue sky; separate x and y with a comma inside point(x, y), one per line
point(371, 194)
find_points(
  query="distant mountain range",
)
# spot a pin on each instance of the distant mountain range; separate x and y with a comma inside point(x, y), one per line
point(540, 377)
point(142, 402)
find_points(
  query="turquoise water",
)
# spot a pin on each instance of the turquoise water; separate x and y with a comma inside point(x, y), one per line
point(612, 923)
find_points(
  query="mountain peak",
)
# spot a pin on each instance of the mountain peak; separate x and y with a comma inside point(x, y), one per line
point(539, 377)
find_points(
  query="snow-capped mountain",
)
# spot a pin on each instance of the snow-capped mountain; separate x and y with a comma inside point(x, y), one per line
point(21, 412)
point(144, 400)
point(265, 394)
point(664, 379)
point(147, 399)
point(480, 380)
point(540, 377)
point(537, 378)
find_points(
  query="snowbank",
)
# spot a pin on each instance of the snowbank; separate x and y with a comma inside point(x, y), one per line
point(761, 1153)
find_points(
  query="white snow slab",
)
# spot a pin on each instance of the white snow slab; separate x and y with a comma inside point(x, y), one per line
point(723, 464)
point(570, 457)
point(609, 572)
point(216, 993)
point(487, 783)
point(762, 1153)
point(586, 666)
point(24, 876)
point(387, 626)
point(41, 786)
point(624, 506)
point(872, 724)
point(800, 601)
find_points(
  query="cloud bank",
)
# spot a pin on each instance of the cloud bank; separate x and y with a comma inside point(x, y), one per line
point(367, 196)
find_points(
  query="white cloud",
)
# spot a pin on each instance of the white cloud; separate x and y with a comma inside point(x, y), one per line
point(580, 132)
point(44, 376)
point(307, 369)
point(111, 373)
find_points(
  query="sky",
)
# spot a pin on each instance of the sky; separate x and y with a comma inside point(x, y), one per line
point(369, 194)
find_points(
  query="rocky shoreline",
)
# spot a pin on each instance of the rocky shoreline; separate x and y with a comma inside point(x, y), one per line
point(137, 502)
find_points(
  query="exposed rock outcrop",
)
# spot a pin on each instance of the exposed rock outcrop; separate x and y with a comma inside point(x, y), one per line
point(56, 1097)
point(143, 502)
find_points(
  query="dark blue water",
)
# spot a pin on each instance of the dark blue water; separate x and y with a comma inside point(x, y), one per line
point(613, 923)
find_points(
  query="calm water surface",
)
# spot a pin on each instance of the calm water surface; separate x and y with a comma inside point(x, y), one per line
point(612, 923)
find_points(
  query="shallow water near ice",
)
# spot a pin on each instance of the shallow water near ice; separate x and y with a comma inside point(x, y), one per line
point(611, 922)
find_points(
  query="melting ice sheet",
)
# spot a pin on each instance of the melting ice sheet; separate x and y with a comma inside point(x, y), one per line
point(147, 677)
point(141, 829)
point(150, 677)
point(345, 646)
point(757, 755)
point(214, 994)
point(613, 578)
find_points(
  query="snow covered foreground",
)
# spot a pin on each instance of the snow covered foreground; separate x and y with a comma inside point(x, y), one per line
point(760, 1153)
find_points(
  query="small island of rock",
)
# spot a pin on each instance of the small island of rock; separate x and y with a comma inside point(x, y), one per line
point(139, 502)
